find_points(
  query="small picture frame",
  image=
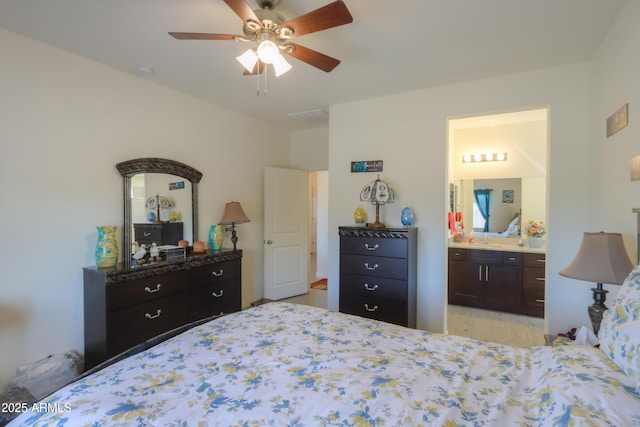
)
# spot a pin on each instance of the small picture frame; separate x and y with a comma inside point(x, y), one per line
point(366, 166)
point(507, 196)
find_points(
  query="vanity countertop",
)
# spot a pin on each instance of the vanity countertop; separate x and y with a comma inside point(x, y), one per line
point(497, 246)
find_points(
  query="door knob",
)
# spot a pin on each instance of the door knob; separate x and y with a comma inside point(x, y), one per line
point(269, 242)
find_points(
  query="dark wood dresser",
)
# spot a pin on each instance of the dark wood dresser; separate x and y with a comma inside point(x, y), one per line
point(165, 233)
point(378, 273)
point(124, 307)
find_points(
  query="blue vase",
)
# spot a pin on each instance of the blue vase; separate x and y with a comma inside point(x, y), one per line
point(407, 217)
point(151, 216)
point(216, 237)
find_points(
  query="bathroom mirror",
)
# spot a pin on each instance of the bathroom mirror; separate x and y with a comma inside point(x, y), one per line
point(146, 178)
point(505, 202)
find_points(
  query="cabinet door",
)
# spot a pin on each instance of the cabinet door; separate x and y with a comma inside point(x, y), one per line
point(502, 287)
point(465, 285)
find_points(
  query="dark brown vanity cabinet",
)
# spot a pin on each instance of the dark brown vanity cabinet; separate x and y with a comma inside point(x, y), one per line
point(124, 307)
point(496, 280)
point(378, 273)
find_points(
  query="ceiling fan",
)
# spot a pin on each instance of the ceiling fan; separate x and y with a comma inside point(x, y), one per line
point(272, 34)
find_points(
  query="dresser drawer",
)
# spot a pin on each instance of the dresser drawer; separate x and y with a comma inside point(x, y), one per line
point(376, 246)
point(375, 308)
point(534, 260)
point(533, 302)
point(378, 287)
point(373, 266)
point(457, 254)
point(134, 292)
point(148, 233)
point(533, 278)
point(215, 299)
point(512, 258)
point(133, 325)
point(214, 273)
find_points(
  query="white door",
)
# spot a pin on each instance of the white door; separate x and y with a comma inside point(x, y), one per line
point(286, 233)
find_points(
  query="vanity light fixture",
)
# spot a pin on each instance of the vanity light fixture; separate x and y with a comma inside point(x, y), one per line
point(488, 157)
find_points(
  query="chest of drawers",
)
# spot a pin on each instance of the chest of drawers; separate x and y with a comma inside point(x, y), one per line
point(124, 307)
point(378, 273)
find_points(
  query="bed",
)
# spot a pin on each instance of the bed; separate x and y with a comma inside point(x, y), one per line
point(285, 364)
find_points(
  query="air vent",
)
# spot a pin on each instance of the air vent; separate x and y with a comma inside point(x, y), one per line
point(311, 117)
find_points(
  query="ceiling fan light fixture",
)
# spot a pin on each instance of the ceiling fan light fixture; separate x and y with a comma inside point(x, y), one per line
point(248, 59)
point(280, 65)
point(268, 51)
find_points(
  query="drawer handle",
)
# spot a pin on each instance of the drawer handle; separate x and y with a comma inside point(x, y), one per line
point(541, 301)
point(146, 234)
point(370, 288)
point(366, 265)
point(366, 307)
point(219, 273)
point(218, 295)
point(148, 289)
point(369, 248)
point(149, 316)
point(542, 279)
point(541, 260)
point(512, 258)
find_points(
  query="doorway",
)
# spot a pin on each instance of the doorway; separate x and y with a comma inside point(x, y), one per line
point(318, 229)
point(524, 136)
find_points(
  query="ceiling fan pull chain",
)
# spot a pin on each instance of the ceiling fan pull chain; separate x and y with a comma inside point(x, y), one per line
point(266, 69)
point(257, 81)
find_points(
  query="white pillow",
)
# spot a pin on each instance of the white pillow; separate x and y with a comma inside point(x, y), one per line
point(630, 289)
point(619, 337)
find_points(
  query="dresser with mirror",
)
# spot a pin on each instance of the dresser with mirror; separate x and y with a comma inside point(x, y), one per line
point(130, 303)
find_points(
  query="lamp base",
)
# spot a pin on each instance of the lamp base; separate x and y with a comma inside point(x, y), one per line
point(377, 223)
point(597, 309)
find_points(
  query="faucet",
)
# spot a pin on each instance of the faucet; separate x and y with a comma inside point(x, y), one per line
point(485, 239)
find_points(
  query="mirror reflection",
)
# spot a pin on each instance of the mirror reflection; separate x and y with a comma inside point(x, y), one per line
point(161, 198)
point(492, 205)
point(160, 203)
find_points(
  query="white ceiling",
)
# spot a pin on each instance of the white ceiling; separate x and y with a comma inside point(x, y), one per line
point(392, 46)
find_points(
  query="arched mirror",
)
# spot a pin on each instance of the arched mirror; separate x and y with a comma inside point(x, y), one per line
point(155, 193)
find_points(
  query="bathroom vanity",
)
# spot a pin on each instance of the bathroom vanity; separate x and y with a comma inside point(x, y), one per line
point(502, 277)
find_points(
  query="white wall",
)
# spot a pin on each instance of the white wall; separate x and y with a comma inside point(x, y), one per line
point(309, 149)
point(408, 132)
point(65, 122)
point(616, 67)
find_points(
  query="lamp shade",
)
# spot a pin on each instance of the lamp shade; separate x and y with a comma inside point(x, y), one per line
point(601, 258)
point(233, 214)
point(377, 192)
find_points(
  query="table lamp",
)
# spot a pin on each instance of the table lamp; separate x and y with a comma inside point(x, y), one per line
point(377, 193)
point(233, 214)
point(601, 258)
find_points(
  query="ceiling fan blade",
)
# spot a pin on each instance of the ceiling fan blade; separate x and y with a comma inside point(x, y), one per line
point(204, 36)
point(257, 69)
point(243, 10)
point(329, 16)
point(311, 57)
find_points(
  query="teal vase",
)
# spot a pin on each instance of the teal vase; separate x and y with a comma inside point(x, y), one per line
point(216, 237)
point(107, 246)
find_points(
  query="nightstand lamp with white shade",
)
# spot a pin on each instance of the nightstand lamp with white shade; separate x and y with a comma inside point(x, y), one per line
point(601, 258)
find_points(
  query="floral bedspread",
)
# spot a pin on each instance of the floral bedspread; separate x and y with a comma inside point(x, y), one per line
point(282, 364)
